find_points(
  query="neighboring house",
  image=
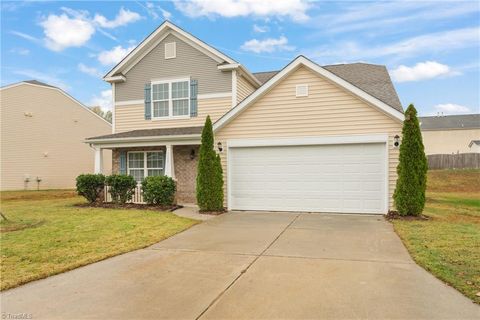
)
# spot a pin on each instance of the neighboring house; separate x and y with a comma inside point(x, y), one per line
point(474, 146)
point(42, 134)
point(449, 134)
point(305, 138)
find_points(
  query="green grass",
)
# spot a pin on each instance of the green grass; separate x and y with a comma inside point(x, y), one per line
point(448, 244)
point(51, 235)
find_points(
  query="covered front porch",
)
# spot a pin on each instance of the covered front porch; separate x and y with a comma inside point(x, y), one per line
point(141, 153)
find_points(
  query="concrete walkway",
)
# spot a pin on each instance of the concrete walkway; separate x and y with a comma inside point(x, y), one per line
point(253, 265)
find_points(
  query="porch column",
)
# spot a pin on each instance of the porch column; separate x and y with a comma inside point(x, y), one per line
point(98, 160)
point(169, 166)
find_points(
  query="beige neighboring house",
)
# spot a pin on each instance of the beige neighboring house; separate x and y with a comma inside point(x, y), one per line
point(450, 134)
point(304, 138)
point(42, 134)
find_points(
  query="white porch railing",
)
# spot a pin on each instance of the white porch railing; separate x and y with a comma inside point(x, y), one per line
point(137, 196)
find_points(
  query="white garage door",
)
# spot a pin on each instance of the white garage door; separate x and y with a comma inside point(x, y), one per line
point(322, 178)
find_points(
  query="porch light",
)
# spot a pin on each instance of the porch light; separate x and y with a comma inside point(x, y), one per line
point(396, 141)
point(192, 154)
point(219, 147)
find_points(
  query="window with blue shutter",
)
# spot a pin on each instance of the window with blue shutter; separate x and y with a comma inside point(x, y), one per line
point(123, 162)
point(193, 98)
point(148, 101)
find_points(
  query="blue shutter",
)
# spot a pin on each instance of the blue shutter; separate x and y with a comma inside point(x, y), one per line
point(148, 101)
point(193, 98)
point(123, 162)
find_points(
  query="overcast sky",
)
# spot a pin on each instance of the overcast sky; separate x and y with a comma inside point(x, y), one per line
point(432, 49)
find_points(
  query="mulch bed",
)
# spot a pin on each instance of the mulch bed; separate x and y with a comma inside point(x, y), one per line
point(394, 215)
point(213, 213)
point(132, 206)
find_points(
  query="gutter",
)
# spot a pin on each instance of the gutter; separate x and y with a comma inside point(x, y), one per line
point(143, 139)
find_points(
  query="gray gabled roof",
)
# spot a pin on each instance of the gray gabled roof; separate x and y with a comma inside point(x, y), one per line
point(38, 83)
point(371, 78)
point(477, 142)
point(151, 133)
point(464, 121)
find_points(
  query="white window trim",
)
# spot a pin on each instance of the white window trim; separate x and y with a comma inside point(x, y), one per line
point(145, 169)
point(170, 99)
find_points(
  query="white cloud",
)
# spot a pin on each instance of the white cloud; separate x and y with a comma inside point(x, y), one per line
point(104, 100)
point(123, 17)
point(155, 11)
point(63, 31)
point(113, 56)
point(421, 71)
point(294, 9)
point(74, 28)
point(20, 51)
point(260, 29)
point(24, 36)
point(267, 45)
point(427, 43)
point(451, 108)
point(89, 70)
point(383, 16)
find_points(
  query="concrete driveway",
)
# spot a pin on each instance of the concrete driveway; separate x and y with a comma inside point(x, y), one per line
point(253, 265)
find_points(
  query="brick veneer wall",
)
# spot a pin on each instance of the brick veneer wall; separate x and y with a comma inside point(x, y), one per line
point(185, 173)
point(185, 169)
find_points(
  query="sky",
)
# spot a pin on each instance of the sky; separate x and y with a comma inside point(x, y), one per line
point(431, 48)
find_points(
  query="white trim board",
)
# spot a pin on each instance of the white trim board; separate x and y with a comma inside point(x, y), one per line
point(59, 90)
point(294, 65)
point(303, 141)
point(199, 97)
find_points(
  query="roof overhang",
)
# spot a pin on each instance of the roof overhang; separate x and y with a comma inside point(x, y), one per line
point(115, 79)
point(244, 71)
point(190, 139)
point(292, 66)
point(154, 38)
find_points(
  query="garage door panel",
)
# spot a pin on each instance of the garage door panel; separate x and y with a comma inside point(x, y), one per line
point(328, 178)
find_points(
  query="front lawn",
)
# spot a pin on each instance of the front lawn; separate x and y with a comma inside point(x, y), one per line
point(46, 234)
point(448, 244)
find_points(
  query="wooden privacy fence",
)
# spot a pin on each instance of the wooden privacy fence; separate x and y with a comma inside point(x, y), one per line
point(454, 161)
point(136, 198)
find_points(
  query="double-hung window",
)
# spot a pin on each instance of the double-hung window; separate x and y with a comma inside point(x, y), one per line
point(171, 99)
point(144, 164)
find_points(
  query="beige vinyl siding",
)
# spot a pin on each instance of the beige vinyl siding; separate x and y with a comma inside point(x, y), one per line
point(244, 88)
point(132, 117)
point(189, 62)
point(58, 126)
point(329, 110)
point(449, 141)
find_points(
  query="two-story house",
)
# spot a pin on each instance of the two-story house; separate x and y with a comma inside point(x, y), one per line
point(305, 138)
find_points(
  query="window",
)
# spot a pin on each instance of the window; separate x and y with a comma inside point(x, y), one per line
point(170, 50)
point(171, 99)
point(145, 164)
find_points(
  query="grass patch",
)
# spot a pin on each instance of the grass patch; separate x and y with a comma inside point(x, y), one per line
point(447, 245)
point(47, 234)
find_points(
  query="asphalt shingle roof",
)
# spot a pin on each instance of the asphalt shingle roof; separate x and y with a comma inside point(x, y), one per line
point(373, 79)
point(38, 83)
point(464, 121)
point(152, 133)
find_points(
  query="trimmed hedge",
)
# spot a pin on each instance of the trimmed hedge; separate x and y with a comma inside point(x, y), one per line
point(90, 186)
point(159, 190)
point(122, 187)
point(409, 196)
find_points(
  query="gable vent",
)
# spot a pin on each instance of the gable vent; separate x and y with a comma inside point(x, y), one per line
point(170, 50)
point(302, 90)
